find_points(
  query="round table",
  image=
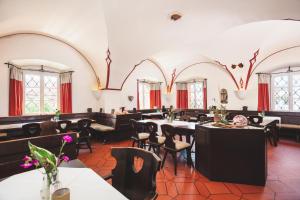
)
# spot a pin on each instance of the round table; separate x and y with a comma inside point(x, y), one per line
point(83, 183)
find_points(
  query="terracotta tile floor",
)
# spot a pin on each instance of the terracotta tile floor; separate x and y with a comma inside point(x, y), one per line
point(283, 176)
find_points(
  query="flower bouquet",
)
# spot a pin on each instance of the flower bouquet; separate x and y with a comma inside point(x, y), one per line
point(171, 115)
point(219, 113)
point(42, 158)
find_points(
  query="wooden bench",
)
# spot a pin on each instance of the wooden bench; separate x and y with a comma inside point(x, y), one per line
point(113, 127)
point(13, 151)
point(291, 126)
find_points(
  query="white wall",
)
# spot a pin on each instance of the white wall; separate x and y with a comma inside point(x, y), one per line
point(40, 47)
point(217, 78)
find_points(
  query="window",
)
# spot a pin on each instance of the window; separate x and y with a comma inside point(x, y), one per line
point(195, 95)
point(144, 95)
point(41, 93)
point(286, 92)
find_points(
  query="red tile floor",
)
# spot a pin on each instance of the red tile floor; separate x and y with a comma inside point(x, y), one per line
point(283, 176)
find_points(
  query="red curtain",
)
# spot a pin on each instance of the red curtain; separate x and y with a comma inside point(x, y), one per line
point(205, 94)
point(155, 95)
point(181, 96)
point(66, 93)
point(263, 92)
point(15, 92)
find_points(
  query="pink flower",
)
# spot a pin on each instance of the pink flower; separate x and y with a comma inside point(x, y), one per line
point(27, 159)
point(35, 163)
point(65, 158)
point(67, 139)
point(26, 165)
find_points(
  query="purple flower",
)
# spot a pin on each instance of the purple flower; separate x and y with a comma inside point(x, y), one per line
point(67, 139)
point(27, 159)
point(26, 165)
point(65, 158)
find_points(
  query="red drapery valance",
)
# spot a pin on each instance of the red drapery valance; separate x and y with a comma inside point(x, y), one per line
point(66, 93)
point(15, 92)
point(263, 92)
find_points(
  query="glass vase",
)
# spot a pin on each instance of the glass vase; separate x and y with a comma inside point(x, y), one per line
point(55, 183)
point(45, 190)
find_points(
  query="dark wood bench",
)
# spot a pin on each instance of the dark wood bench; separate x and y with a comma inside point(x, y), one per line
point(113, 127)
point(13, 151)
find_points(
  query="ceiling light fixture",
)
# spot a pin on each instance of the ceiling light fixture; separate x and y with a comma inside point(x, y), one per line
point(175, 16)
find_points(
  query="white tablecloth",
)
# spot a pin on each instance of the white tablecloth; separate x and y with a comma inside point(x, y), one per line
point(19, 125)
point(84, 184)
point(175, 123)
point(268, 119)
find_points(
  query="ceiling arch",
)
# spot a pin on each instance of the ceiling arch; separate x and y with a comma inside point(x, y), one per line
point(62, 41)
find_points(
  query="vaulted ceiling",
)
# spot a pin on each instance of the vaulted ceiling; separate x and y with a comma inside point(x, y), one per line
point(229, 30)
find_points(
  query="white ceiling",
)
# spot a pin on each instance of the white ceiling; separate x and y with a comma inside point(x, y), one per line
point(227, 30)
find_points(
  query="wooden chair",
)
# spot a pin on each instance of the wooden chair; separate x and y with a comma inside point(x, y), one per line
point(64, 126)
point(255, 120)
point(48, 128)
point(173, 146)
point(32, 129)
point(272, 133)
point(134, 184)
point(84, 135)
point(202, 117)
point(155, 141)
point(140, 136)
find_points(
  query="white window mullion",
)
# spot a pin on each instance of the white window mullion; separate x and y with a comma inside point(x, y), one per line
point(42, 94)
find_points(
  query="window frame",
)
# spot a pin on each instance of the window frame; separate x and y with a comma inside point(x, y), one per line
point(195, 99)
point(290, 91)
point(143, 95)
point(42, 89)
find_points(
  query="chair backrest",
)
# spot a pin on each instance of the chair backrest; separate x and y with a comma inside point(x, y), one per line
point(84, 127)
point(64, 126)
point(32, 129)
point(128, 180)
point(136, 126)
point(151, 127)
point(48, 128)
point(169, 132)
point(255, 119)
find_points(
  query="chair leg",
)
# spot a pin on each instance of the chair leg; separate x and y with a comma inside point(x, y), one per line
point(89, 145)
point(175, 163)
point(158, 151)
point(189, 157)
point(164, 159)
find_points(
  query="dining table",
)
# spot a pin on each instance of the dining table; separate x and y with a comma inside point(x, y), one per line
point(182, 128)
point(19, 125)
point(83, 183)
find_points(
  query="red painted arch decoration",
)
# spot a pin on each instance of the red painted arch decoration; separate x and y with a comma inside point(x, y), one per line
point(134, 68)
point(272, 54)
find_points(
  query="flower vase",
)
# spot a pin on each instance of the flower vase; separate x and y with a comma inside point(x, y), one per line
point(51, 183)
point(55, 183)
point(45, 190)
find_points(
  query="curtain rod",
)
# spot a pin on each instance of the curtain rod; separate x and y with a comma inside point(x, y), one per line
point(38, 70)
point(288, 71)
point(148, 81)
point(191, 81)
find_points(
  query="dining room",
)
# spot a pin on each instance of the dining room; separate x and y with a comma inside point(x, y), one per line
point(110, 99)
